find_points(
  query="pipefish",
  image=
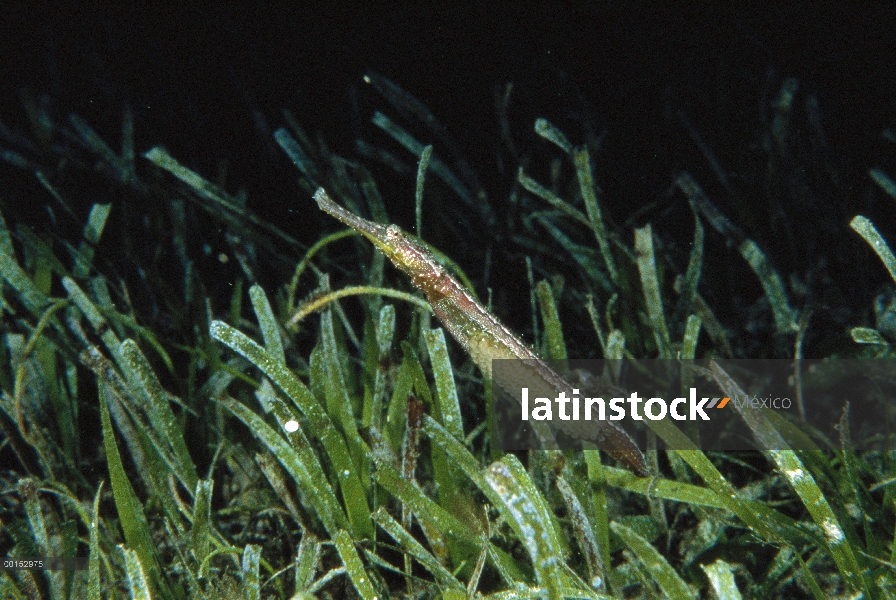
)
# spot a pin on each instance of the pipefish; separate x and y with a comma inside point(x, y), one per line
point(479, 332)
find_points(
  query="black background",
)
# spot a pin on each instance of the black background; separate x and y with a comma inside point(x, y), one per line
point(194, 75)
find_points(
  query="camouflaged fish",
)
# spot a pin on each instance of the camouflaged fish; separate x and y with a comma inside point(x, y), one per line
point(479, 332)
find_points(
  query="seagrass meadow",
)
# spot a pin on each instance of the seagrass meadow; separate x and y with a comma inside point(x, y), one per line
point(207, 402)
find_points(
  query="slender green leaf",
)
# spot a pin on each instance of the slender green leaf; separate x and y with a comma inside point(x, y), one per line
point(688, 289)
point(251, 570)
point(590, 193)
point(27, 489)
point(33, 299)
point(651, 287)
point(548, 131)
point(884, 181)
point(868, 231)
point(448, 404)
point(385, 331)
point(137, 580)
point(318, 420)
point(785, 316)
point(425, 157)
point(130, 510)
point(721, 578)
point(96, 222)
point(438, 167)
point(598, 476)
point(526, 514)
point(422, 506)
point(339, 403)
point(584, 534)
point(654, 563)
point(213, 193)
point(299, 462)
point(413, 548)
point(270, 330)
point(353, 566)
point(691, 334)
point(94, 581)
point(554, 344)
point(554, 200)
point(201, 532)
point(460, 456)
point(811, 495)
point(865, 335)
point(159, 410)
point(306, 560)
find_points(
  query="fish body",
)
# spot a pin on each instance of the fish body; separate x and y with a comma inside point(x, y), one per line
point(479, 332)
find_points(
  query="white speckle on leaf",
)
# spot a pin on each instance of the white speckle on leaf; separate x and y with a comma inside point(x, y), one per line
point(832, 531)
point(795, 475)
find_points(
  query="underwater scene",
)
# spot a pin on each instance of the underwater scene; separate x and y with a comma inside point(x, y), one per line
point(476, 300)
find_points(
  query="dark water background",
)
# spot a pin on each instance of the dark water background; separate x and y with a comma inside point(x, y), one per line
point(195, 78)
